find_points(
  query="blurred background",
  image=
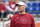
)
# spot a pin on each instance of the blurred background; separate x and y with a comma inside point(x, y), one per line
point(33, 8)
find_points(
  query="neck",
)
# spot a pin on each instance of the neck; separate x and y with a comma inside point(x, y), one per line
point(23, 13)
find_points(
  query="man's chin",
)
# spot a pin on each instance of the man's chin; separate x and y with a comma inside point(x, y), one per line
point(20, 11)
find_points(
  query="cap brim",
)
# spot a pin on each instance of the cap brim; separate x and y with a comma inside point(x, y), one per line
point(18, 5)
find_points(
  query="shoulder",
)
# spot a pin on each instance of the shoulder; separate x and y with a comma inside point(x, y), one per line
point(29, 15)
point(14, 16)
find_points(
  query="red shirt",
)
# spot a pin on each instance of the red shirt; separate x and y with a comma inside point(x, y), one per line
point(25, 20)
point(2, 7)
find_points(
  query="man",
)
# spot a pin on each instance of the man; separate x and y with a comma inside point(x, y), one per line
point(22, 19)
point(11, 6)
point(2, 10)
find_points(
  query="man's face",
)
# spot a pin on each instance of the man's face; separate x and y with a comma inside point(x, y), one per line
point(21, 8)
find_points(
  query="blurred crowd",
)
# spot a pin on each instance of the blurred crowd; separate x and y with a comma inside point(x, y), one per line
point(8, 8)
